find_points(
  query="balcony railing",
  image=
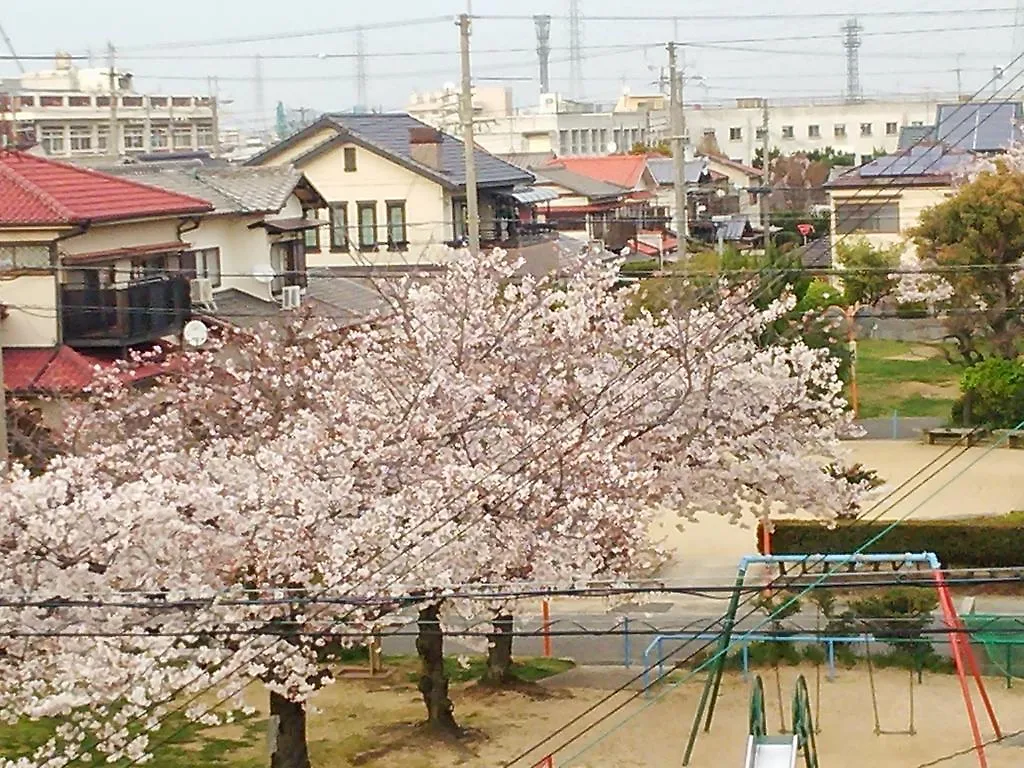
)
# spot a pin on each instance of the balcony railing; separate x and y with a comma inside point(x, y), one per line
point(119, 317)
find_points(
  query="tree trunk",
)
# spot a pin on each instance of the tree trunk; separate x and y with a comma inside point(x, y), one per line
point(289, 747)
point(499, 652)
point(433, 679)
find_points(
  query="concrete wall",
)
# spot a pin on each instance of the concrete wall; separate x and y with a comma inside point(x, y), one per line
point(898, 427)
point(428, 214)
point(900, 329)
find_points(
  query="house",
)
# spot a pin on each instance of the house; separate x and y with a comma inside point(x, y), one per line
point(91, 260)
point(396, 188)
point(255, 239)
point(583, 207)
point(883, 199)
point(708, 192)
point(745, 181)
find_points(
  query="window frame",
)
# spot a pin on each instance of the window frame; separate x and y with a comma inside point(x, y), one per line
point(164, 132)
point(179, 130)
point(366, 205)
point(313, 233)
point(736, 133)
point(332, 209)
point(85, 133)
point(137, 132)
point(17, 268)
point(866, 130)
point(839, 131)
point(895, 128)
point(401, 244)
point(47, 136)
point(350, 163)
point(788, 132)
point(188, 265)
point(863, 214)
point(814, 131)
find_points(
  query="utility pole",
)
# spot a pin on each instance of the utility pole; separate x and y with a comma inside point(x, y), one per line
point(5, 457)
point(678, 150)
point(959, 88)
point(765, 174)
point(472, 203)
point(214, 89)
point(113, 140)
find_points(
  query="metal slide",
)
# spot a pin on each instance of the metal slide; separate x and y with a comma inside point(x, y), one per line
point(764, 751)
point(772, 751)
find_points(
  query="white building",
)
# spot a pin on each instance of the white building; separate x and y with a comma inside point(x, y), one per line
point(440, 109)
point(861, 128)
point(68, 112)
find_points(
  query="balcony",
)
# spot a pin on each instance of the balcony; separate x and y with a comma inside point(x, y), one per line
point(141, 311)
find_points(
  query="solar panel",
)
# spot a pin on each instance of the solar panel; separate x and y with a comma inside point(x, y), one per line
point(918, 161)
point(979, 127)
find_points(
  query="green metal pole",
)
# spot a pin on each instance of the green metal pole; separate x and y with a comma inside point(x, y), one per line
point(715, 678)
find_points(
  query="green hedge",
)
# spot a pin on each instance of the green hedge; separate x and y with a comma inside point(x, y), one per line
point(982, 542)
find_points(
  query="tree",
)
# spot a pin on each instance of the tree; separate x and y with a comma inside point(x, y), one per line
point(485, 427)
point(663, 147)
point(868, 274)
point(773, 154)
point(968, 263)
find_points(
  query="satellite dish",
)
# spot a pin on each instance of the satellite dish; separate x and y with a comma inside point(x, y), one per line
point(195, 333)
point(612, 147)
point(264, 274)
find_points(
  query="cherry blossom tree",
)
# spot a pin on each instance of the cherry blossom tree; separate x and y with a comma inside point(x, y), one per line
point(484, 427)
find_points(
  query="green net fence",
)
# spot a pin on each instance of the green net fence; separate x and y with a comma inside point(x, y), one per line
point(1002, 637)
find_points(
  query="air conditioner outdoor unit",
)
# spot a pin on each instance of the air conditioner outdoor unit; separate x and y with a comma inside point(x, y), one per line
point(291, 297)
point(202, 291)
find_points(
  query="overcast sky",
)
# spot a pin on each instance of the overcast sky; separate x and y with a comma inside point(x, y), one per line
point(799, 55)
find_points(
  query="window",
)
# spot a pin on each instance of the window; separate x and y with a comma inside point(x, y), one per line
point(813, 131)
point(79, 101)
point(350, 159)
point(288, 258)
point(856, 216)
point(563, 142)
point(203, 263)
point(917, 122)
point(367, 212)
point(204, 136)
point(134, 137)
point(397, 238)
point(760, 133)
point(26, 101)
point(574, 142)
point(617, 138)
point(102, 138)
point(160, 139)
point(735, 134)
point(709, 132)
point(460, 218)
point(891, 129)
point(81, 138)
point(339, 226)
point(787, 131)
point(604, 139)
point(24, 256)
point(865, 129)
point(147, 267)
point(131, 101)
point(839, 130)
point(51, 101)
point(158, 101)
point(181, 101)
point(311, 237)
point(52, 141)
point(182, 137)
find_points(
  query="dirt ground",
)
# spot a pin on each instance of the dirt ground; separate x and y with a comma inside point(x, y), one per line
point(366, 723)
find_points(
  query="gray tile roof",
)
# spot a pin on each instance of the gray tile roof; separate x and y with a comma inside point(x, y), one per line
point(528, 160)
point(578, 183)
point(662, 170)
point(229, 190)
point(388, 134)
point(912, 135)
point(244, 311)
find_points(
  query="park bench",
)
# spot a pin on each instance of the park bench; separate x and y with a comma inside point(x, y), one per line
point(1015, 438)
point(973, 435)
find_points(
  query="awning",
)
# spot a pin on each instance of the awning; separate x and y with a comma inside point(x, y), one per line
point(530, 195)
point(280, 226)
point(114, 254)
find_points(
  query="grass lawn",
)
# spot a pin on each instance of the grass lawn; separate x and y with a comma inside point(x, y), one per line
point(910, 377)
point(349, 720)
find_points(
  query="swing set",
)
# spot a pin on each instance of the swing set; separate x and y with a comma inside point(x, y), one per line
point(821, 568)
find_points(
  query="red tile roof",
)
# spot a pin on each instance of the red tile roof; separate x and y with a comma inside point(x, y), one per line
point(36, 191)
point(624, 170)
point(59, 370)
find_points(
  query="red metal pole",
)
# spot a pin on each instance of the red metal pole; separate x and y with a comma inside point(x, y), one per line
point(972, 662)
point(954, 640)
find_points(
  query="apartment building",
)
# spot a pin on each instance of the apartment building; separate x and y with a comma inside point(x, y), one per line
point(68, 111)
point(861, 128)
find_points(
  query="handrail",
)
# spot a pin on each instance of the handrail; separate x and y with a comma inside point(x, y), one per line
point(758, 725)
point(803, 723)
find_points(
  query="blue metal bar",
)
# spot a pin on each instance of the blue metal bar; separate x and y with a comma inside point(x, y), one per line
point(628, 645)
point(908, 557)
point(831, 659)
point(746, 661)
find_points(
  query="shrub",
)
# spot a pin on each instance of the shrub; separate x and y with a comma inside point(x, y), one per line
point(897, 613)
point(981, 542)
point(996, 391)
point(819, 295)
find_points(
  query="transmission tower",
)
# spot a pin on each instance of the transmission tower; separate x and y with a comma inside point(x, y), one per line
point(575, 49)
point(852, 42)
point(543, 24)
point(260, 106)
point(362, 101)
